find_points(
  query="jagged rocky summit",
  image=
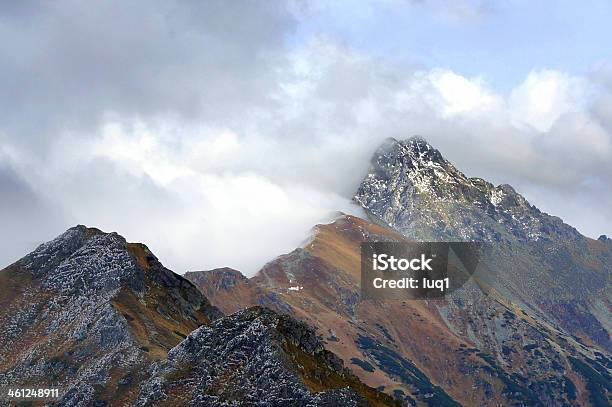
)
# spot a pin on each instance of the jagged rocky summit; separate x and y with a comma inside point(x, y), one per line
point(415, 190)
point(87, 312)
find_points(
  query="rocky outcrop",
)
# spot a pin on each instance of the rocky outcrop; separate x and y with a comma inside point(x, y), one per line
point(255, 357)
point(415, 190)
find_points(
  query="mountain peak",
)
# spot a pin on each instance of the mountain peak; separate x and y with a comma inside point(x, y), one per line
point(223, 286)
point(413, 188)
point(77, 242)
point(85, 262)
point(414, 150)
point(604, 239)
point(419, 145)
point(412, 166)
point(89, 304)
point(224, 278)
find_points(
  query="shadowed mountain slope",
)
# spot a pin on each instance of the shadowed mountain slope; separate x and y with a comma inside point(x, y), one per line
point(228, 288)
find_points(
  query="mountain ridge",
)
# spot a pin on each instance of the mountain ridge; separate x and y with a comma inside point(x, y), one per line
point(96, 316)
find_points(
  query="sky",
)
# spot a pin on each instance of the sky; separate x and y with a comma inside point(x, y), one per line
point(219, 133)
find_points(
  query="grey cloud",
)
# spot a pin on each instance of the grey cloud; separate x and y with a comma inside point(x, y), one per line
point(27, 219)
point(306, 119)
point(68, 65)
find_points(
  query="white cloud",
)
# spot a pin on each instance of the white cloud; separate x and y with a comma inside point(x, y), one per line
point(456, 94)
point(545, 96)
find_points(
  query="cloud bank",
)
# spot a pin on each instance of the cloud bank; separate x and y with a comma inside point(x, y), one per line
point(216, 136)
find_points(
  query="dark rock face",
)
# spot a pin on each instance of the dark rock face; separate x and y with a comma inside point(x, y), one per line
point(254, 357)
point(411, 185)
point(538, 260)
